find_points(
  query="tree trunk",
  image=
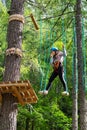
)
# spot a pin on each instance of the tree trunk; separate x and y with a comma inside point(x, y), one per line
point(81, 87)
point(8, 118)
point(75, 100)
point(75, 84)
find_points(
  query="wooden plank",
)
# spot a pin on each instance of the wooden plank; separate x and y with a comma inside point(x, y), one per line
point(8, 82)
point(34, 98)
point(13, 84)
point(18, 95)
point(6, 89)
point(33, 94)
point(29, 85)
point(31, 91)
point(23, 94)
point(28, 93)
point(30, 101)
point(21, 89)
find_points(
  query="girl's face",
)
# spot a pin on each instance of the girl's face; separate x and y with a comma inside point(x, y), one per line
point(52, 54)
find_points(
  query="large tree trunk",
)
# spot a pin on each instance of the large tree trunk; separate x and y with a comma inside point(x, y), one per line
point(81, 87)
point(75, 96)
point(8, 118)
point(75, 83)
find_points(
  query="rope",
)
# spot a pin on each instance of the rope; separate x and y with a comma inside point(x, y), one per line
point(16, 17)
point(47, 61)
point(39, 58)
point(14, 51)
point(74, 61)
point(64, 42)
point(44, 78)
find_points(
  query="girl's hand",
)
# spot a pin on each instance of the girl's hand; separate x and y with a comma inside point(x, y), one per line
point(52, 54)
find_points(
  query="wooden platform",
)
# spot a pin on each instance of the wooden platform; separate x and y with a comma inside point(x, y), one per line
point(20, 89)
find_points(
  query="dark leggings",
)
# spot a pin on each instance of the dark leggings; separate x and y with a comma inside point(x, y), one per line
point(59, 72)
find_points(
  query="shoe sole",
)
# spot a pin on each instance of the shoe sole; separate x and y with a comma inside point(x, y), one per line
point(65, 94)
point(42, 93)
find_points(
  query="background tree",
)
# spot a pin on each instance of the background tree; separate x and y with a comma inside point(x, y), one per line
point(75, 83)
point(81, 87)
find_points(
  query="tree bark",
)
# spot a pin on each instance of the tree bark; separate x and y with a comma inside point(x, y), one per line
point(8, 118)
point(75, 83)
point(81, 88)
point(75, 98)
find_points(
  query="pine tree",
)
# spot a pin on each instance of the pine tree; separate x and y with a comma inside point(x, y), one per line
point(81, 91)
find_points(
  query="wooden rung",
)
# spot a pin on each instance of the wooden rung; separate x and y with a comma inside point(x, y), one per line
point(33, 98)
point(22, 88)
point(23, 94)
point(28, 93)
point(29, 85)
point(31, 92)
point(6, 88)
point(31, 101)
point(18, 95)
point(34, 21)
point(28, 99)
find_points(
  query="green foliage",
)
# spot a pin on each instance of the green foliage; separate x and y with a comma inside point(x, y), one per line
point(52, 111)
point(44, 117)
point(3, 32)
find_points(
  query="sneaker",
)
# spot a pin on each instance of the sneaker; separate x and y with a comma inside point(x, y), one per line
point(65, 93)
point(40, 92)
point(43, 92)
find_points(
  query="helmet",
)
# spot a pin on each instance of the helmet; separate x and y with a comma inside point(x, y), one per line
point(54, 49)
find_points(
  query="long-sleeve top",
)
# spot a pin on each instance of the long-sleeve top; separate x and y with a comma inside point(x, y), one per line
point(58, 57)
